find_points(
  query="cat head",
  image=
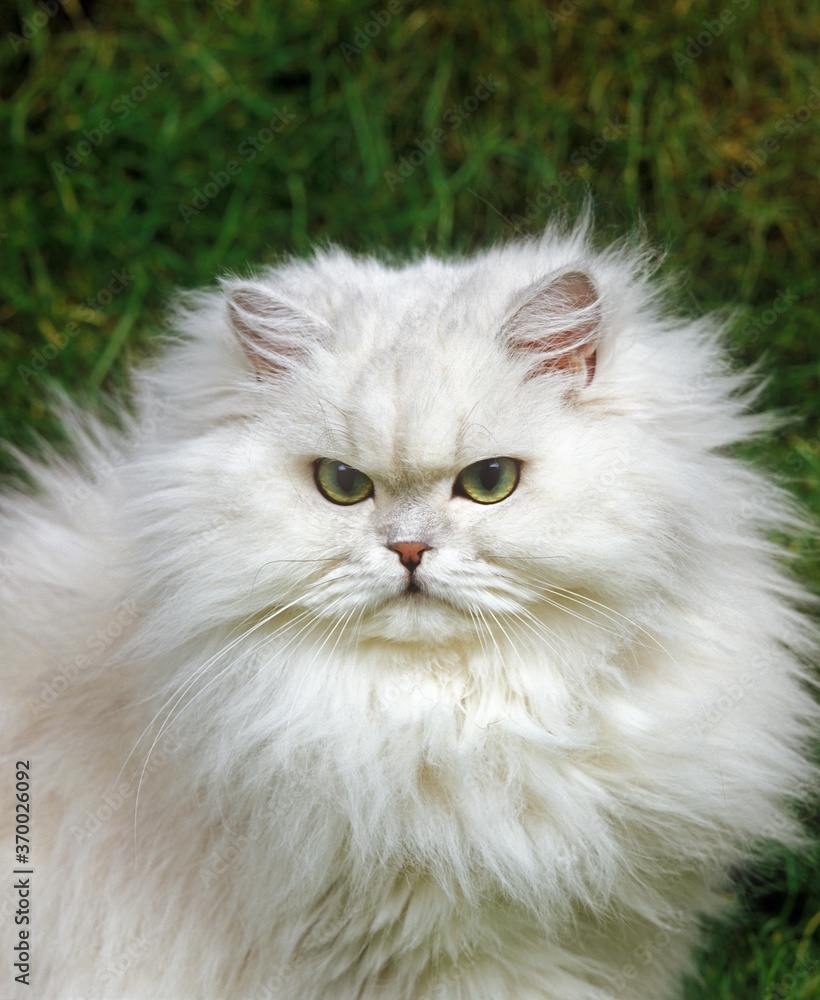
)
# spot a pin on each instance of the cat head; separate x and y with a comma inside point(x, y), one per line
point(409, 445)
point(441, 451)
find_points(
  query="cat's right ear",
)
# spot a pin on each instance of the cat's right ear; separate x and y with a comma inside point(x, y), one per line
point(277, 337)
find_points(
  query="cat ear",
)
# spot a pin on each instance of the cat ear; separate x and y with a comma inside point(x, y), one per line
point(275, 335)
point(556, 326)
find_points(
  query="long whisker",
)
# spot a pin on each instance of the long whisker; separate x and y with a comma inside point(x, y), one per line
point(186, 684)
point(478, 630)
point(268, 638)
point(357, 629)
point(489, 631)
point(540, 630)
point(575, 614)
point(172, 716)
point(607, 612)
point(273, 562)
point(336, 624)
point(513, 645)
point(180, 692)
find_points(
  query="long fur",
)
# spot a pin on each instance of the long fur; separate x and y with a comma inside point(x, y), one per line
point(259, 770)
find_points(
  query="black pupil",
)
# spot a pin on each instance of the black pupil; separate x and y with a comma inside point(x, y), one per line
point(489, 474)
point(346, 478)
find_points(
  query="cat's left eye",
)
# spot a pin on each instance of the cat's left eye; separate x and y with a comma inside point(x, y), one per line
point(341, 483)
point(488, 481)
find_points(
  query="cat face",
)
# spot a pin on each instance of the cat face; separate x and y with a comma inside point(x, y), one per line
point(432, 481)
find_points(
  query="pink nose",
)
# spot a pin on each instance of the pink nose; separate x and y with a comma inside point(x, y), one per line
point(410, 553)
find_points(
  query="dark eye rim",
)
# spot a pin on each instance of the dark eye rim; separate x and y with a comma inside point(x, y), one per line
point(339, 503)
point(458, 489)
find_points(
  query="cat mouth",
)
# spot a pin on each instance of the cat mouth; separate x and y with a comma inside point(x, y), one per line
point(418, 611)
point(420, 592)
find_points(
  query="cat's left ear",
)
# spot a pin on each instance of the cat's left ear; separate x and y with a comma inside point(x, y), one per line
point(277, 337)
point(555, 324)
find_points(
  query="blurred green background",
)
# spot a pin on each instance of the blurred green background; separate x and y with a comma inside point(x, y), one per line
point(153, 145)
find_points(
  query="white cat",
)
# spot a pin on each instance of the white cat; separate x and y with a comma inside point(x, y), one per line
point(418, 638)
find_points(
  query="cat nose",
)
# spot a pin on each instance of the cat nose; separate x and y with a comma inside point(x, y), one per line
point(409, 552)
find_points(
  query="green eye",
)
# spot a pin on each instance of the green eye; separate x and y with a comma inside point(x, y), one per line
point(340, 483)
point(488, 481)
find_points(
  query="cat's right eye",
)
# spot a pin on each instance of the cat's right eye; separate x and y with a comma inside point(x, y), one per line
point(341, 483)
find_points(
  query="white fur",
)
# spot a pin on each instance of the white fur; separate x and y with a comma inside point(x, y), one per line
point(273, 775)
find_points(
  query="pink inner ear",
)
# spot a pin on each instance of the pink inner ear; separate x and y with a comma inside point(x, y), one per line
point(559, 324)
point(274, 335)
point(576, 361)
point(258, 349)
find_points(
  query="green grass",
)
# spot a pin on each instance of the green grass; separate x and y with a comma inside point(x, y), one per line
point(581, 96)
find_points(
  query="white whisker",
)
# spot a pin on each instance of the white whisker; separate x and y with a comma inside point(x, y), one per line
point(325, 639)
point(186, 684)
point(611, 613)
point(559, 592)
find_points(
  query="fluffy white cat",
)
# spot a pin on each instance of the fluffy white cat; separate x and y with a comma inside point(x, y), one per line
point(418, 637)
